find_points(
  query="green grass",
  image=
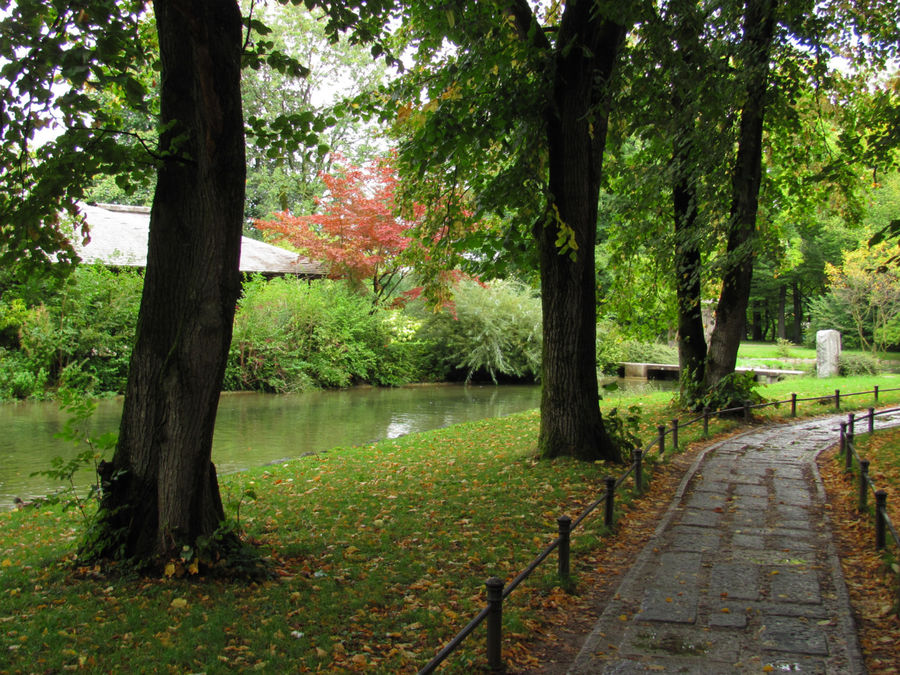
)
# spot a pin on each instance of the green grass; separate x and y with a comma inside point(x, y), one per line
point(380, 554)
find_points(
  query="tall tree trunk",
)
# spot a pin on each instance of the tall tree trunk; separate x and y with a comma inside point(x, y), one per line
point(731, 312)
point(798, 312)
point(688, 263)
point(571, 424)
point(781, 326)
point(160, 490)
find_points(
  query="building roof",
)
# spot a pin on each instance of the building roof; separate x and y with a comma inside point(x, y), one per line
point(118, 238)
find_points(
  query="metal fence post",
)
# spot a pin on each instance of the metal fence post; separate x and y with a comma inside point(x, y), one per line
point(871, 420)
point(863, 484)
point(837, 399)
point(565, 530)
point(494, 623)
point(793, 405)
point(675, 435)
point(880, 524)
point(851, 425)
point(876, 393)
point(661, 430)
point(610, 501)
point(638, 456)
point(705, 421)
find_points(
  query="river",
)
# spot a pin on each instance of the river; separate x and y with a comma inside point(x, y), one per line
point(257, 429)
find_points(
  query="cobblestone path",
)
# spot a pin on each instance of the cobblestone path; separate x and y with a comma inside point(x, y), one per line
point(742, 574)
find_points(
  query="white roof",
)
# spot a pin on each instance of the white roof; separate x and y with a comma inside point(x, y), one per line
point(118, 238)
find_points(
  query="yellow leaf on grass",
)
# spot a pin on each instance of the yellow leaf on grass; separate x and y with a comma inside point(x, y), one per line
point(170, 569)
point(6, 563)
point(178, 603)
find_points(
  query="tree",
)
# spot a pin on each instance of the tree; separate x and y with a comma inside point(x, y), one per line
point(505, 111)
point(356, 230)
point(160, 490)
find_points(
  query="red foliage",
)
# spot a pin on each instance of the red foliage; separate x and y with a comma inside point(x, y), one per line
point(356, 230)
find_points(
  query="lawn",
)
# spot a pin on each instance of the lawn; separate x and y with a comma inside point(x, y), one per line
point(379, 555)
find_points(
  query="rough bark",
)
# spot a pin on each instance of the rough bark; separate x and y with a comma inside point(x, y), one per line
point(160, 490)
point(688, 262)
point(731, 312)
point(587, 48)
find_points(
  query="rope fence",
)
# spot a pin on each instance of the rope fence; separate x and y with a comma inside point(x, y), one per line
point(496, 592)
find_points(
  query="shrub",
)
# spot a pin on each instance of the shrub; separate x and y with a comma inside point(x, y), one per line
point(81, 336)
point(290, 335)
point(492, 330)
point(858, 364)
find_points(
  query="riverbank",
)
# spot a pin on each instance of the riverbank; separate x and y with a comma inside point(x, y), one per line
point(380, 554)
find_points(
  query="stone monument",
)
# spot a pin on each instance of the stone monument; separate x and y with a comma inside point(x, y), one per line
point(828, 352)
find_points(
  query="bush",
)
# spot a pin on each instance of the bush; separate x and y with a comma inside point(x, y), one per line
point(290, 335)
point(80, 336)
point(858, 364)
point(492, 330)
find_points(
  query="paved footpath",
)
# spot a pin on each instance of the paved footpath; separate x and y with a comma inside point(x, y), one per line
point(742, 574)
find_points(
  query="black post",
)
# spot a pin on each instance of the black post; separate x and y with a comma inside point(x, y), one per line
point(793, 405)
point(871, 420)
point(837, 399)
point(746, 411)
point(494, 623)
point(842, 443)
point(863, 484)
point(638, 457)
point(851, 425)
point(565, 530)
point(661, 429)
point(876, 393)
point(675, 435)
point(705, 421)
point(880, 524)
point(610, 500)
point(846, 447)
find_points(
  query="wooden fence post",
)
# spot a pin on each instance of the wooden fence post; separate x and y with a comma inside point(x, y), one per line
point(871, 420)
point(661, 431)
point(880, 523)
point(494, 623)
point(675, 435)
point(793, 405)
point(565, 530)
point(705, 421)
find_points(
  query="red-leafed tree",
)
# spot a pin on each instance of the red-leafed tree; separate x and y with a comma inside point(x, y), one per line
point(357, 230)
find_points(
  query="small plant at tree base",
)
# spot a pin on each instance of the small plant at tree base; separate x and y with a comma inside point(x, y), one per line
point(77, 430)
point(624, 428)
point(732, 391)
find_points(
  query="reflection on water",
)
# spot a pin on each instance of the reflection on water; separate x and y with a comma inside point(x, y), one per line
point(256, 429)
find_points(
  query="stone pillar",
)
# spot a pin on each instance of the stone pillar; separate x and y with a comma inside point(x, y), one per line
point(828, 352)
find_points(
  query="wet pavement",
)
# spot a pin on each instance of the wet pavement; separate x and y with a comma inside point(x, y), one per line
point(742, 575)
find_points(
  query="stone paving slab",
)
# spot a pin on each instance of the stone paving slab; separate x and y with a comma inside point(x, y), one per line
point(742, 574)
